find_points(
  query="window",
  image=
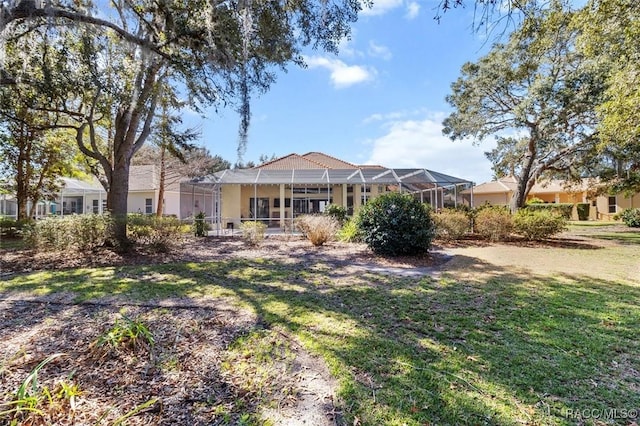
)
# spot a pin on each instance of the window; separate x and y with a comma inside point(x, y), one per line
point(287, 202)
point(612, 204)
point(262, 204)
point(148, 205)
point(96, 206)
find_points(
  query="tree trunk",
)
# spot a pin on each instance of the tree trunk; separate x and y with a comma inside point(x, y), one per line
point(525, 180)
point(163, 166)
point(117, 200)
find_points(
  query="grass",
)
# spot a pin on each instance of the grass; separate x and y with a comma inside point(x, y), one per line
point(619, 237)
point(506, 348)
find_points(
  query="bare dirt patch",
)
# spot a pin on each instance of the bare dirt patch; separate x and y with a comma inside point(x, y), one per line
point(180, 379)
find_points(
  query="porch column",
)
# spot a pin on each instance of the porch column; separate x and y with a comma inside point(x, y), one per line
point(357, 197)
point(344, 195)
point(437, 197)
point(455, 195)
point(282, 206)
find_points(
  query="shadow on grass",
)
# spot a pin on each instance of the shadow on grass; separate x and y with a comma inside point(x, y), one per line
point(508, 349)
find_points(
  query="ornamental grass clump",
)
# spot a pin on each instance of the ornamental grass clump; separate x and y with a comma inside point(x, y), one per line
point(253, 232)
point(538, 224)
point(396, 224)
point(318, 229)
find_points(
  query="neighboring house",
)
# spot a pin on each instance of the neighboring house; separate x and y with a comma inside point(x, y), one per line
point(278, 191)
point(603, 207)
point(88, 196)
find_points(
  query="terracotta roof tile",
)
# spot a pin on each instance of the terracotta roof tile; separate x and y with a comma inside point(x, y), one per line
point(328, 161)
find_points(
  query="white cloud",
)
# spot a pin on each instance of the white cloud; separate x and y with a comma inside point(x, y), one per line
point(342, 75)
point(413, 9)
point(395, 115)
point(380, 7)
point(420, 143)
point(379, 51)
point(346, 49)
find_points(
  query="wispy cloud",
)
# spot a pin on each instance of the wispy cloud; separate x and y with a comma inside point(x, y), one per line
point(391, 117)
point(342, 75)
point(413, 9)
point(420, 143)
point(379, 51)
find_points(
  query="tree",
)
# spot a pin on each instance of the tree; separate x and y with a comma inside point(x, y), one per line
point(537, 94)
point(35, 160)
point(217, 52)
point(618, 47)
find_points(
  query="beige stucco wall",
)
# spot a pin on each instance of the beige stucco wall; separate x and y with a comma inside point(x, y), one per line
point(230, 208)
point(493, 199)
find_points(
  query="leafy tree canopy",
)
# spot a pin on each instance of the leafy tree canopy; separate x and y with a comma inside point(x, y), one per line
point(536, 94)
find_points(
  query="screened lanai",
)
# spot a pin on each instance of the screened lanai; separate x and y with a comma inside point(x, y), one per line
point(276, 197)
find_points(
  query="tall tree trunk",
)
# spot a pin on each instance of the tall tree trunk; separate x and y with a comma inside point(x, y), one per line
point(525, 180)
point(117, 200)
point(163, 171)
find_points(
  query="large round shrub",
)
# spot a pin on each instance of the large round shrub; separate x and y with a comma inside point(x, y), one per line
point(396, 224)
point(631, 217)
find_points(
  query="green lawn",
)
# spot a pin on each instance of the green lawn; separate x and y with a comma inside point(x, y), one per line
point(510, 349)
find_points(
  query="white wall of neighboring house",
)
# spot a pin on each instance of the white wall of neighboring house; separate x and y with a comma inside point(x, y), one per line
point(142, 202)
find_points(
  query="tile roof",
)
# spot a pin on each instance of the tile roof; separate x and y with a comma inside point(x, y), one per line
point(290, 162)
point(310, 160)
point(508, 184)
point(328, 161)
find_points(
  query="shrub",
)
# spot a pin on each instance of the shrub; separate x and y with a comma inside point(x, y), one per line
point(631, 217)
point(494, 223)
point(10, 227)
point(253, 232)
point(200, 227)
point(83, 232)
point(350, 232)
point(563, 209)
point(535, 200)
point(583, 210)
point(396, 224)
point(317, 228)
point(158, 232)
point(339, 213)
point(451, 224)
point(538, 225)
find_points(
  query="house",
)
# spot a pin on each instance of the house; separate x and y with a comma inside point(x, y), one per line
point(88, 196)
point(279, 190)
point(603, 207)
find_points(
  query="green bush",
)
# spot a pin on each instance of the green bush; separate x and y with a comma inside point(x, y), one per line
point(451, 224)
point(535, 200)
point(253, 232)
point(631, 217)
point(160, 233)
point(562, 209)
point(82, 232)
point(538, 225)
point(318, 229)
point(339, 213)
point(396, 224)
point(350, 232)
point(493, 223)
point(583, 210)
point(200, 227)
point(10, 227)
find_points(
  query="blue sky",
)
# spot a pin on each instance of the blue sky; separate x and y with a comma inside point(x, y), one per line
point(380, 101)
